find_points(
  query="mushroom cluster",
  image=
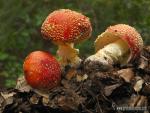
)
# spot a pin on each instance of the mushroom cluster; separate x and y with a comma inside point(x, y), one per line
point(63, 27)
point(119, 44)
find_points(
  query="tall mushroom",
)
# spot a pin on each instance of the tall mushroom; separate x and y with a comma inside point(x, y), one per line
point(118, 44)
point(42, 71)
point(66, 27)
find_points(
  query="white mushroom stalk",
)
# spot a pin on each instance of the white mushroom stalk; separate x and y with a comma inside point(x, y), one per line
point(68, 55)
point(115, 51)
point(112, 53)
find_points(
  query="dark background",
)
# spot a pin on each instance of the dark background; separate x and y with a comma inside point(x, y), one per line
point(20, 22)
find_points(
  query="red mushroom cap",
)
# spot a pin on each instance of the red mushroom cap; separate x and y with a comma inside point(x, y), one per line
point(42, 71)
point(126, 33)
point(65, 25)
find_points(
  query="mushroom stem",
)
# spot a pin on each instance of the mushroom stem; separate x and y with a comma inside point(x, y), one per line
point(68, 55)
point(112, 53)
point(115, 51)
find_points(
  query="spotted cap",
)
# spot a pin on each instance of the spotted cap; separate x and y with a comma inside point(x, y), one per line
point(65, 25)
point(42, 71)
point(126, 33)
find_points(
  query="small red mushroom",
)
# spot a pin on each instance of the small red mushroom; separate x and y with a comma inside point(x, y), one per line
point(41, 70)
point(118, 44)
point(66, 27)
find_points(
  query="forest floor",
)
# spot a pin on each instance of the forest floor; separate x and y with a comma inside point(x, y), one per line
point(123, 89)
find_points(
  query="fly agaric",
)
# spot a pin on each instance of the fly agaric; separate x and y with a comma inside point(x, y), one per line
point(118, 44)
point(66, 27)
point(42, 71)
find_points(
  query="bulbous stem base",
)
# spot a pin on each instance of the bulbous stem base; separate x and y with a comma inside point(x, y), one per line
point(111, 54)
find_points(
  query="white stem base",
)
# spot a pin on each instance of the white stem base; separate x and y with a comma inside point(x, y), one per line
point(68, 55)
point(115, 51)
point(109, 55)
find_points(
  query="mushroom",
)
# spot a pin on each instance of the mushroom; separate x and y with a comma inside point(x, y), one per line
point(66, 27)
point(42, 71)
point(118, 44)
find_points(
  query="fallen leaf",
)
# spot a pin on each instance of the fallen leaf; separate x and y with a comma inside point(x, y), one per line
point(126, 74)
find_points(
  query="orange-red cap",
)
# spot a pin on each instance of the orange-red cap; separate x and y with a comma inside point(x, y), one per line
point(42, 71)
point(65, 25)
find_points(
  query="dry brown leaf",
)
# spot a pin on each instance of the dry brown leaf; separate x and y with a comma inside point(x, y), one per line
point(138, 85)
point(109, 89)
point(126, 74)
point(71, 73)
point(22, 85)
